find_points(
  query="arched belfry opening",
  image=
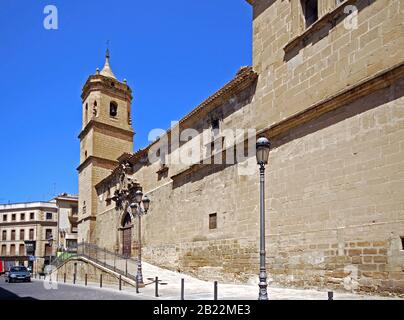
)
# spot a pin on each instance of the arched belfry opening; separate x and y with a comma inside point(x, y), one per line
point(127, 235)
point(113, 109)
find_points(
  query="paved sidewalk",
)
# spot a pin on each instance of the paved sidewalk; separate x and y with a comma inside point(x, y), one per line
point(196, 289)
point(41, 290)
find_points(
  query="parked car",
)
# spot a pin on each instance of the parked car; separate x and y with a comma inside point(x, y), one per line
point(19, 273)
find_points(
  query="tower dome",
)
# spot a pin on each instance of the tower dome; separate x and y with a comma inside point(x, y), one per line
point(107, 71)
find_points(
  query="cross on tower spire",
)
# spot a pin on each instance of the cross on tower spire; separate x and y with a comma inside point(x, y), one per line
point(107, 71)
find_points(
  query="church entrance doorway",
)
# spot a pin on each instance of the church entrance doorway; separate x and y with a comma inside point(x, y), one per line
point(127, 236)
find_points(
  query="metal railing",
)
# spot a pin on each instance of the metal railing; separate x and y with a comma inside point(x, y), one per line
point(63, 256)
point(123, 265)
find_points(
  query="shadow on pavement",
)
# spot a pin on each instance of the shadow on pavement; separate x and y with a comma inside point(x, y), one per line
point(8, 295)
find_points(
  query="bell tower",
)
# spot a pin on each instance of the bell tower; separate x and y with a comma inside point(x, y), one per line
point(106, 134)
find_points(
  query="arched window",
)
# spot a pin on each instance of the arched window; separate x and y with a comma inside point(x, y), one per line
point(113, 109)
point(95, 109)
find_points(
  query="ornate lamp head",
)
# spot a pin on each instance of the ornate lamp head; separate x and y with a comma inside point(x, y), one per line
point(138, 196)
point(146, 203)
point(263, 146)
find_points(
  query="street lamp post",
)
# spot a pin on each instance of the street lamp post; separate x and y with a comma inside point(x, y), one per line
point(140, 208)
point(129, 195)
point(263, 146)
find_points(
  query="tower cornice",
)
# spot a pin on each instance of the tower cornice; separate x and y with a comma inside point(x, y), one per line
point(99, 162)
point(106, 85)
point(105, 127)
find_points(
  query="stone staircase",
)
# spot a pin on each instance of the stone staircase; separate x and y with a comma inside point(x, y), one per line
point(106, 261)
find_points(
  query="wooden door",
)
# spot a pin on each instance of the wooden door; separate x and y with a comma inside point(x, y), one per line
point(48, 250)
point(127, 236)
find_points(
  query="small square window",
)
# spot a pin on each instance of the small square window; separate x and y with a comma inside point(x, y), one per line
point(22, 217)
point(215, 124)
point(31, 215)
point(13, 217)
point(310, 11)
point(49, 216)
point(213, 221)
point(48, 234)
point(4, 217)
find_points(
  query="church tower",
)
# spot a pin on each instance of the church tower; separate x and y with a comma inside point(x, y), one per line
point(106, 134)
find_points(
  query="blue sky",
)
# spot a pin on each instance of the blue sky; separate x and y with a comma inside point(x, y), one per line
point(174, 54)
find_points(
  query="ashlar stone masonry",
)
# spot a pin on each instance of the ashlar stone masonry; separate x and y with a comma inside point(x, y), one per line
point(329, 95)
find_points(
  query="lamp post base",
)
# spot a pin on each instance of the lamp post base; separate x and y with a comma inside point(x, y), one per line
point(139, 276)
point(263, 293)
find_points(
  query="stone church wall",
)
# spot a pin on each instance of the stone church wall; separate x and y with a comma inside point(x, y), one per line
point(335, 207)
point(334, 192)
